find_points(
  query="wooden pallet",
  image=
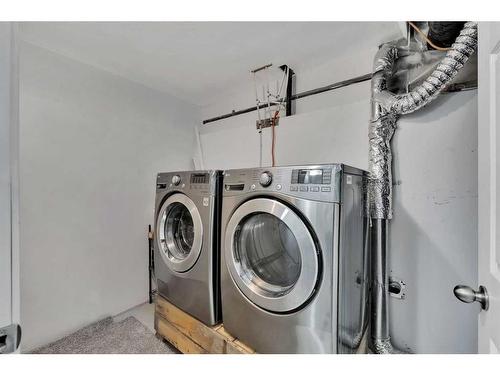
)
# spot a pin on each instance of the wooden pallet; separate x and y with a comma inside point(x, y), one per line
point(189, 335)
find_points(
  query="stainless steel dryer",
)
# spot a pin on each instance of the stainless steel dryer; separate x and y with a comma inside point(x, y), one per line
point(187, 241)
point(294, 275)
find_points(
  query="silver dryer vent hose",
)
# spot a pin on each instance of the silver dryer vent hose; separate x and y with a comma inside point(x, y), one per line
point(386, 109)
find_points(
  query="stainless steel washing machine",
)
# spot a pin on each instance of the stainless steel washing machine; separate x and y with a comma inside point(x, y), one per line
point(294, 275)
point(187, 241)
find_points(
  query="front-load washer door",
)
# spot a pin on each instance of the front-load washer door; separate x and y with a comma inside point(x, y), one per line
point(271, 255)
point(179, 232)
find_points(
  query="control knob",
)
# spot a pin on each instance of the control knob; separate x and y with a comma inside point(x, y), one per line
point(176, 179)
point(266, 178)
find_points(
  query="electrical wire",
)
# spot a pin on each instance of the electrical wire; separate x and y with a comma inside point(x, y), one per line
point(427, 39)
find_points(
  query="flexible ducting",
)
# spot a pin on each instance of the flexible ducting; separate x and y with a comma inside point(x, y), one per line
point(386, 109)
point(464, 46)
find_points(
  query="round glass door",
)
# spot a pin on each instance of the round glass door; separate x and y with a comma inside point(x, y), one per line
point(179, 232)
point(271, 255)
point(268, 252)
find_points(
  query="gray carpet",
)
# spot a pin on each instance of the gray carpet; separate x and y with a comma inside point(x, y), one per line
point(128, 336)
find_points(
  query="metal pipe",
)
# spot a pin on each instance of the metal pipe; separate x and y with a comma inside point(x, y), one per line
point(150, 264)
point(233, 113)
point(261, 68)
point(381, 130)
point(381, 338)
point(333, 86)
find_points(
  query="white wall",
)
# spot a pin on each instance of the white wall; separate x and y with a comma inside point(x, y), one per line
point(91, 145)
point(434, 230)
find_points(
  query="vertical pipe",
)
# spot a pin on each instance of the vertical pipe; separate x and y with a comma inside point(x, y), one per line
point(381, 130)
point(380, 301)
point(150, 265)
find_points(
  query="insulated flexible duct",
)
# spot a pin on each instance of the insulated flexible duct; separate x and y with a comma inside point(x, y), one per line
point(386, 109)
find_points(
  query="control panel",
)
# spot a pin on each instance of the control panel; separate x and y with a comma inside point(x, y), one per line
point(195, 182)
point(320, 182)
point(311, 179)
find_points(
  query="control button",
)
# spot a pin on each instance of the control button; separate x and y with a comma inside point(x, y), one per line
point(183, 185)
point(278, 187)
point(326, 188)
point(266, 178)
point(252, 187)
point(176, 179)
point(314, 188)
point(294, 188)
point(304, 188)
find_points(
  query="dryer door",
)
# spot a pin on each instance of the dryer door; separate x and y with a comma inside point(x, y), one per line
point(271, 255)
point(179, 232)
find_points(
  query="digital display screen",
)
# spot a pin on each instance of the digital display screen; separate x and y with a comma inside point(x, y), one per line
point(199, 178)
point(231, 187)
point(310, 176)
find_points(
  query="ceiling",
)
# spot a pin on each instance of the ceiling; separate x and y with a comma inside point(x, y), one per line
point(192, 60)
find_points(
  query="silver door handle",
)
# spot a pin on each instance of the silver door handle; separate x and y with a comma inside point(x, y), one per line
point(468, 295)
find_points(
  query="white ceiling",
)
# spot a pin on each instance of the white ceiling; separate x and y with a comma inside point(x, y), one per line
point(192, 60)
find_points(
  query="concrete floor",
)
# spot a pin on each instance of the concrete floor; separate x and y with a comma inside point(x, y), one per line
point(143, 313)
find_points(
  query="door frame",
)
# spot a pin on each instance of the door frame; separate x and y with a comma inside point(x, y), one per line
point(488, 140)
point(11, 108)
